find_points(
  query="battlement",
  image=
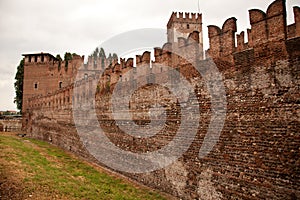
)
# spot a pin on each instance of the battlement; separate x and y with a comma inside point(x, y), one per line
point(267, 36)
point(270, 25)
point(293, 30)
point(222, 41)
point(39, 57)
point(180, 17)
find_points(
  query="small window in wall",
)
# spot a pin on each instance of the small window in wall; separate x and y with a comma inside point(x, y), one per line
point(29, 58)
point(60, 85)
point(187, 26)
point(36, 86)
point(86, 76)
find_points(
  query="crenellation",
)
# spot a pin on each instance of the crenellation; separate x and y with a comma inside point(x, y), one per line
point(229, 25)
point(267, 36)
point(214, 34)
point(129, 63)
point(161, 55)
point(199, 17)
point(186, 17)
point(123, 62)
point(193, 38)
point(193, 16)
point(167, 47)
point(146, 57)
point(250, 38)
point(291, 31)
point(259, 26)
point(182, 42)
point(228, 39)
point(222, 41)
point(276, 21)
point(180, 15)
point(270, 25)
point(138, 60)
point(157, 52)
point(256, 16)
point(213, 31)
point(276, 8)
point(241, 41)
point(44, 58)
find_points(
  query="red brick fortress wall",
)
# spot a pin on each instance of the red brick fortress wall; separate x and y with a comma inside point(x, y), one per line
point(257, 154)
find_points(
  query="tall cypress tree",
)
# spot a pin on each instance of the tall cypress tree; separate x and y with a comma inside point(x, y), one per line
point(19, 85)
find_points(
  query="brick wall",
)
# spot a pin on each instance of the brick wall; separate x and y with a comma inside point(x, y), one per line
point(257, 154)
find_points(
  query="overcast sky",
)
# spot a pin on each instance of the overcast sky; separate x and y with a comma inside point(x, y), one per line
point(78, 26)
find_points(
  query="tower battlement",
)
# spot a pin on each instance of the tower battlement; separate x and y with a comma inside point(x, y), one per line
point(39, 57)
point(186, 17)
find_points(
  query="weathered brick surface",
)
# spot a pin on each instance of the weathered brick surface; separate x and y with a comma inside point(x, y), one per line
point(10, 125)
point(257, 154)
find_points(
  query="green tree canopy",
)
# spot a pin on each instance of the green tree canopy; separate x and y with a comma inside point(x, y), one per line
point(109, 57)
point(58, 57)
point(115, 56)
point(96, 53)
point(74, 54)
point(19, 85)
point(68, 56)
point(102, 53)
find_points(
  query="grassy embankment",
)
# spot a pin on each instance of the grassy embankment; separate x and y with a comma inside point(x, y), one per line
point(31, 169)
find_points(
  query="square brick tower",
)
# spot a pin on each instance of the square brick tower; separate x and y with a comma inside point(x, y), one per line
point(45, 74)
point(181, 26)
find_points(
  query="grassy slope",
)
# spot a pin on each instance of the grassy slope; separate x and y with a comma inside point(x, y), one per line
point(35, 169)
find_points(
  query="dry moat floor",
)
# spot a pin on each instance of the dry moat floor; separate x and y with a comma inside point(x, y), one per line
point(31, 169)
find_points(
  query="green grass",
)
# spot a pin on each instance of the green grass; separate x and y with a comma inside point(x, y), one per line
point(48, 167)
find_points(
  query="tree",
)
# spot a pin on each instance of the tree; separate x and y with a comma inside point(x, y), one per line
point(102, 53)
point(74, 54)
point(59, 61)
point(96, 52)
point(109, 58)
point(68, 56)
point(115, 56)
point(58, 57)
point(19, 85)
